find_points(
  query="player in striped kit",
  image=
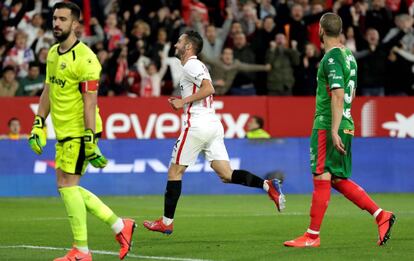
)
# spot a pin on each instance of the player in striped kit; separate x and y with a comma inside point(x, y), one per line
point(203, 132)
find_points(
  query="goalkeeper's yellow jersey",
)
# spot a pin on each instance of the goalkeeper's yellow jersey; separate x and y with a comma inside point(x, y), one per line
point(64, 73)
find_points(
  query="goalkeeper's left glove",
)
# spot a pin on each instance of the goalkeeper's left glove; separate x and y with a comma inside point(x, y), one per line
point(92, 152)
point(37, 139)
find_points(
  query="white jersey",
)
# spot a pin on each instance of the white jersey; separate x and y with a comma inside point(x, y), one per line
point(193, 74)
point(203, 130)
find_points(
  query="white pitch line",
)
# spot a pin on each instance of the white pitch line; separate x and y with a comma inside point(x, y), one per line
point(181, 216)
point(408, 212)
point(108, 253)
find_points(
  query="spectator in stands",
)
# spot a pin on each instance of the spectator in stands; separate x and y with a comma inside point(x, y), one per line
point(194, 7)
point(19, 55)
point(243, 83)
point(379, 17)
point(255, 128)
point(32, 28)
point(130, 15)
point(262, 38)
point(350, 41)
point(97, 35)
point(14, 130)
point(224, 70)
point(266, 9)
point(306, 72)
point(176, 69)
point(44, 39)
point(260, 43)
point(372, 65)
point(8, 83)
point(162, 19)
point(103, 57)
point(138, 43)
point(42, 59)
point(296, 28)
point(151, 77)
point(158, 46)
point(113, 34)
point(280, 79)
point(12, 13)
point(214, 38)
point(399, 77)
point(118, 72)
point(248, 19)
point(343, 9)
point(32, 84)
point(235, 29)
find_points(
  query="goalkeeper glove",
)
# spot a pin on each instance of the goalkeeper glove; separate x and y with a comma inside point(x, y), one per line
point(92, 152)
point(37, 139)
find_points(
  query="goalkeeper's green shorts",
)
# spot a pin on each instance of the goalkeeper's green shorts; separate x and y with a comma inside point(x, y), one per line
point(324, 156)
point(70, 156)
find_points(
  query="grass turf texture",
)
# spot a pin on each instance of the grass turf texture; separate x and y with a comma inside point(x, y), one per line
point(232, 227)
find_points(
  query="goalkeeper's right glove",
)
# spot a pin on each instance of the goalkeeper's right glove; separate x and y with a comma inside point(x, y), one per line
point(37, 139)
point(92, 151)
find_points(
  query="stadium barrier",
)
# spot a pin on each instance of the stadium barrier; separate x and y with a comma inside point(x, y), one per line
point(139, 167)
point(144, 118)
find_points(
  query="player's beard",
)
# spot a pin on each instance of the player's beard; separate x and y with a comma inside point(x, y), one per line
point(62, 36)
point(179, 53)
point(321, 36)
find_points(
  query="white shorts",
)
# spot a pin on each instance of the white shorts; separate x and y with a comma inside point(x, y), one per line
point(208, 138)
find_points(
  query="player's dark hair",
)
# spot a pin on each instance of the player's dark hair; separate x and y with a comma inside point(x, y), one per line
point(259, 121)
point(11, 120)
point(331, 24)
point(74, 9)
point(195, 39)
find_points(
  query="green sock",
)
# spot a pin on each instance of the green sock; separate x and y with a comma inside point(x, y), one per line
point(97, 208)
point(75, 208)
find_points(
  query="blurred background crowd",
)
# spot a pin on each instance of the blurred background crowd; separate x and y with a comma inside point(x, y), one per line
point(261, 47)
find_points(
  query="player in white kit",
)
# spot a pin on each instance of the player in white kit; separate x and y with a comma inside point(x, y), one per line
point(203, 132)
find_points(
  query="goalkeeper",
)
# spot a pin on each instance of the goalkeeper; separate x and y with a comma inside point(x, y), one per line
point(70, 96)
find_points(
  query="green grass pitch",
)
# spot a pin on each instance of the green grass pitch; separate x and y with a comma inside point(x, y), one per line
point(231, 227)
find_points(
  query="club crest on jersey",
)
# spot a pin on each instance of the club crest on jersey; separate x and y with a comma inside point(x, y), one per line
point(331, 61)
point(62, 66)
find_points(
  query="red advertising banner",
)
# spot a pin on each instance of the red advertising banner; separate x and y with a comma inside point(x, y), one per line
point(144, 118)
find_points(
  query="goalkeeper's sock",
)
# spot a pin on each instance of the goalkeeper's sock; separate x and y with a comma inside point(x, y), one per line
point(356, 194)
point(246, 178)
point(172, 194)
point(84, 250)
point(76, 211)
point(118, 226)
point(97, 208)
point(320, 201)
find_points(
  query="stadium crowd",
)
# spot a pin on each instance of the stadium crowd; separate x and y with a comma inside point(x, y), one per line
point(261, 47)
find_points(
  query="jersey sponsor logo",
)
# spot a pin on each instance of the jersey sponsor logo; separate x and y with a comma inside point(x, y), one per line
point(350, 132)
point(57, 81)
point(139, 166)
point(401, 128)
